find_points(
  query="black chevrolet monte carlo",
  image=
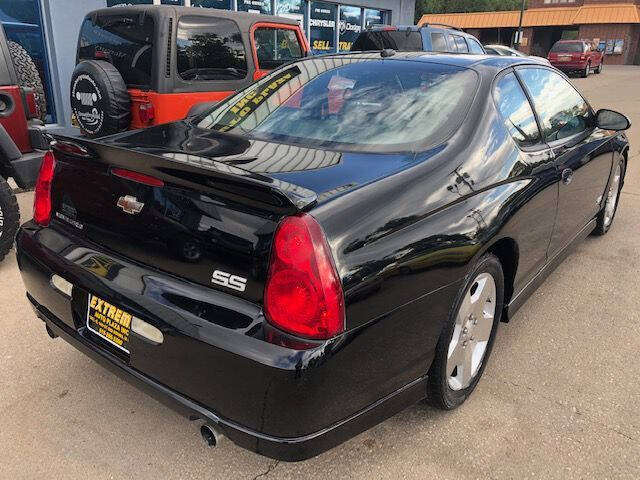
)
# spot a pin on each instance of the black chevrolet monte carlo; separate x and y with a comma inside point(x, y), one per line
point(326, 247)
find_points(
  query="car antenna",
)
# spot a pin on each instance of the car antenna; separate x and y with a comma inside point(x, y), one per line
point(387, 52)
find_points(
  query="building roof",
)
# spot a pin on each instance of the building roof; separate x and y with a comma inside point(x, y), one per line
point(539, 17)
point(607, 13)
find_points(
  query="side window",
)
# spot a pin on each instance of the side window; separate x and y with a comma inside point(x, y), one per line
point(210, 49)
point(460, 43)
point(438, 43)
point(452, 44)
point(474, 47)
point(276, 46)
point(514, 107)
point(561, 109)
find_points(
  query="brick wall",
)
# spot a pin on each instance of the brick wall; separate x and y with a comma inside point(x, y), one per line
point(527, 33)
point(627, 32)
point(586, 2)
point(542, 4)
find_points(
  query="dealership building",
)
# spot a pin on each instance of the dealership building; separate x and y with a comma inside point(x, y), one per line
point(613, 25)
point(48, 30)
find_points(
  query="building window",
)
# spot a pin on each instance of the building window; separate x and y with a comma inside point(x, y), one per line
point(220, 4)
point(255, 6)
point(295, 9)
point(350, 26)
point(22, 24)
point(373, 17)
point(323, 27)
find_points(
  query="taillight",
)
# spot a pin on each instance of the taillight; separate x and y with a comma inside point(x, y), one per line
point(42, 199)
point(146, 112)
point(303, 295)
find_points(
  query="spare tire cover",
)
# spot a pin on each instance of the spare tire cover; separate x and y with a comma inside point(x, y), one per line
point(99, 99)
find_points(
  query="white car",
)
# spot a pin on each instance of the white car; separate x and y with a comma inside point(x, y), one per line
point(508, 52)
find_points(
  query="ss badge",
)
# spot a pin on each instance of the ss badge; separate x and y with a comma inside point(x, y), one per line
point(230, 281)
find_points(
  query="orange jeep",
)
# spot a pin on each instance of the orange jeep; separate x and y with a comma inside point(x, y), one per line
point(143, 65)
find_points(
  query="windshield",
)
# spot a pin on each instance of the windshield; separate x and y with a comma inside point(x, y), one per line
point(573, 47)
point(350, 102)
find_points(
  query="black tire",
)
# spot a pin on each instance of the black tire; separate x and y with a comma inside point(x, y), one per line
point(586, 71)
point(28, 75)
point(439, 392)
point(99, 99)
point(599, 69)
point(9, 218)
point(602, 226)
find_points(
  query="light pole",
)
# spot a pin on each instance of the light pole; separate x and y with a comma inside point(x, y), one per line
point(519, 32)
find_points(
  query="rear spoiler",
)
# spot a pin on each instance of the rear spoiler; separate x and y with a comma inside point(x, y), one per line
point(191, 171)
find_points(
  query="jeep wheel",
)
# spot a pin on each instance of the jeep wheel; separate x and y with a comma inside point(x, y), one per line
point(9, 218)
point(28, 75)
point(599, 69)
point(586, 71)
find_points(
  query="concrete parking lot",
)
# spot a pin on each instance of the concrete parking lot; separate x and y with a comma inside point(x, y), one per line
point(559, 398)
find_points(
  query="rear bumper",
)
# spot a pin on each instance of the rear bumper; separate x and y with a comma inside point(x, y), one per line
point(569, 66)
point(279, 402)
point(281, 448)
point(26, 168)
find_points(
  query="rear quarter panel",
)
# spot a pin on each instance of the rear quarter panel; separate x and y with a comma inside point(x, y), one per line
point(403, 245)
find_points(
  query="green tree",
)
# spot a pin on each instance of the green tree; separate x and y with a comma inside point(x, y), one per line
point(456, 6)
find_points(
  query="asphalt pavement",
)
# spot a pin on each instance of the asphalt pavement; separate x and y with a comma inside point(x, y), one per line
point(559, 398)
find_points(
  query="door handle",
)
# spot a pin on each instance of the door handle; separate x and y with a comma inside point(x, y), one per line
point(567, 176)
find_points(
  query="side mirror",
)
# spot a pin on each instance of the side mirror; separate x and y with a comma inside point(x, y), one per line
point(610, 120)
point(199, 108)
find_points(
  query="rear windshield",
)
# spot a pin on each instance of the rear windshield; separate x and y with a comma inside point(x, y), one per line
point(574, 47)
point(397, 40)
point(126, 41)
point(348, 103)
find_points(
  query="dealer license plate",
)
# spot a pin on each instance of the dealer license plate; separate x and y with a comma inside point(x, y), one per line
point(109, 322)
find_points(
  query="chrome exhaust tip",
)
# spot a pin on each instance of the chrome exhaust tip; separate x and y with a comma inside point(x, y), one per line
point(210, 435)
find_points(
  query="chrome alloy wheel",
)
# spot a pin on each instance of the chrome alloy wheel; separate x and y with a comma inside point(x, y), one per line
point(612, 197)
point(470, 338)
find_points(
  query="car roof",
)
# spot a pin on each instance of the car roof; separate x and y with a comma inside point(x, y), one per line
point(418, 28)
point(170, 10)
point(455, 59)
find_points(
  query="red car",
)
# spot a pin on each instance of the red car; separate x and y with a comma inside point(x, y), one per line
point(576, 56)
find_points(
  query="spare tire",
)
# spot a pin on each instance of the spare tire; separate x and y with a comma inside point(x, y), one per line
point(28, 75)
point(99, 99)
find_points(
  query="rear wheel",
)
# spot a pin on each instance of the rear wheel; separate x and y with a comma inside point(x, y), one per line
point(599, 69)
point(467, 338)
point(28, 75)
point(608, 212)
point(9, 218)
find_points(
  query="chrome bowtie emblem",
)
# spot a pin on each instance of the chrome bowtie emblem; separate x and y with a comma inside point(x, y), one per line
point(130, 204)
